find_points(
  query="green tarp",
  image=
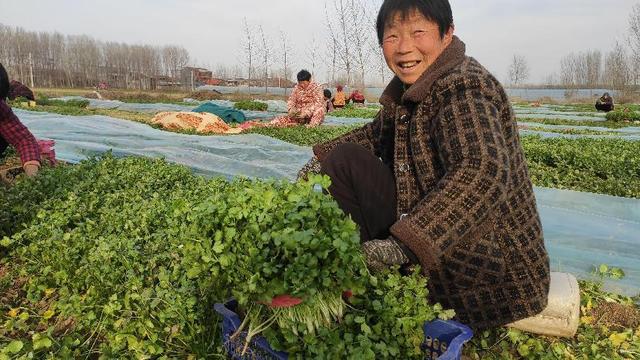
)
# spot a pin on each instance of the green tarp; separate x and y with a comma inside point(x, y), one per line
point(228, 115)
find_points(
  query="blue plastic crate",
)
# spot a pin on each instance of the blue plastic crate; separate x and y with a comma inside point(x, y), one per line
point(259, 348)
point(444, 340)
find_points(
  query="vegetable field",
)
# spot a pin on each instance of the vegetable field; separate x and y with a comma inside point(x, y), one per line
point(124, 258)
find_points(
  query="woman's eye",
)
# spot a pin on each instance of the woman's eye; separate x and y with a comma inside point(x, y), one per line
point(391, 38)
point(418, 32)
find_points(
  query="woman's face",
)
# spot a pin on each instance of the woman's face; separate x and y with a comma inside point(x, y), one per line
point(304, 83)
point(412, 44)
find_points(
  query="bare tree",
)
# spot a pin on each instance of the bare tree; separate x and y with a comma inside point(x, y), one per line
point(518, 70)
point(339, 26)
point(175, 58)
point(286, 51)
point(58, 60)
point(581, 70)
point(617, 70)
point(332, 57)
point(551, 80)
point(361, 37)
point(593, 67)
point(249, 49)
point(265, 54)
point(221, 71)
point(634, 41)
point(311, 54)
point(568, 69)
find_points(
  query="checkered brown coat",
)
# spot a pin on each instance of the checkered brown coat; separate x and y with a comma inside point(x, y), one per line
point(466, 206)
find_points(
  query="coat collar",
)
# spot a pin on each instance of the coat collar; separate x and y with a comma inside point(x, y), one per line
point(451, 57)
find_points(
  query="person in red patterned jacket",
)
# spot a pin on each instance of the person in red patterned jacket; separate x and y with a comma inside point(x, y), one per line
point(13, 132)
point(306, 105)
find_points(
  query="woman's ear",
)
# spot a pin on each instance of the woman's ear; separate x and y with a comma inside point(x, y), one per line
point(448, 36)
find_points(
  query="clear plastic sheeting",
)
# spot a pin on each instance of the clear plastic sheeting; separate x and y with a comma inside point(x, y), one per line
point(276, 108)
point(556, 112)
point(581, 229)
point(271, 113)
point(136, 107)
point(545, 135)
point(626, 133)
point(276, 105)
point(337, 121)
point(631, 130)
point(256, 90)
point(558, 94)
point(78, 137)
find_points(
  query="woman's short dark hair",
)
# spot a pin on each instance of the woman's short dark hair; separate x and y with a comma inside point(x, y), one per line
point(304, 75)
point(4, 83)
point(327, 93)
point(438, 11)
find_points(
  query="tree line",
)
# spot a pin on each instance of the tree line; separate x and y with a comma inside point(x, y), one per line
point(348, 51)
point(618, 69)
point(44, 59)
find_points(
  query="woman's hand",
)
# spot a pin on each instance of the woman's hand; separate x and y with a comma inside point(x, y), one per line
point(311, 167)
point(381, 254)
point(31, 169)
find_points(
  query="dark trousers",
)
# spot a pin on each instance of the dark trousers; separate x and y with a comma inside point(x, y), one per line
point(604, 107)
point(363, 187)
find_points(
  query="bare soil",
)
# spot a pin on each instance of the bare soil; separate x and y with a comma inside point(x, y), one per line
point(616, 316)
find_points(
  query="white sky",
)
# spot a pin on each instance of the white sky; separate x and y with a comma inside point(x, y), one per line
point(541, 30)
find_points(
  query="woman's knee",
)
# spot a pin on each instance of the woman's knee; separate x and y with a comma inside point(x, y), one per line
point(348, 153)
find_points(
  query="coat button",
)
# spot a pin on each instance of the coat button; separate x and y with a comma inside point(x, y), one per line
point(404, 118)
point(403, 216)
point(403, 167)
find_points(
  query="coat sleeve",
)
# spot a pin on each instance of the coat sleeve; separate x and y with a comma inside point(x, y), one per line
point(292, 102)
point(16, 134)
point(367, 136)
point(312, 101)
point(470, 143)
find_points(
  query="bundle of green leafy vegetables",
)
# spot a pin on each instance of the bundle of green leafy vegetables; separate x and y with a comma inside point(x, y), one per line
point(124, 258)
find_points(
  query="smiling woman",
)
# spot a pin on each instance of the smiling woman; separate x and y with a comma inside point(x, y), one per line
point(439, 177)
point(410, 41)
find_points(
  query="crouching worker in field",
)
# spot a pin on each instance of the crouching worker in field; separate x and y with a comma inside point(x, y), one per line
point(13, 132)
point(306, 105)
point(439, 177)
point(605, 103)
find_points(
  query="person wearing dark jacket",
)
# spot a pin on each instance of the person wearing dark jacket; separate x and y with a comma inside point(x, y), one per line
point(18, 89)
point(13, 132)
point(605, 103)
point(439, 177)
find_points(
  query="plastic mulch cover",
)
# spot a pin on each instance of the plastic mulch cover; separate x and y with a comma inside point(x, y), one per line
point(276, 108)
point(623, 131)
point(556, 112)
point(632, 137)
point(78, 137)
point(584, 229)
point(581, 229)
point(159, 107)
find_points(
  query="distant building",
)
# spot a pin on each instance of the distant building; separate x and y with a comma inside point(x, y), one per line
point(194, 77)
point(164, 82)
point(215, 82)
